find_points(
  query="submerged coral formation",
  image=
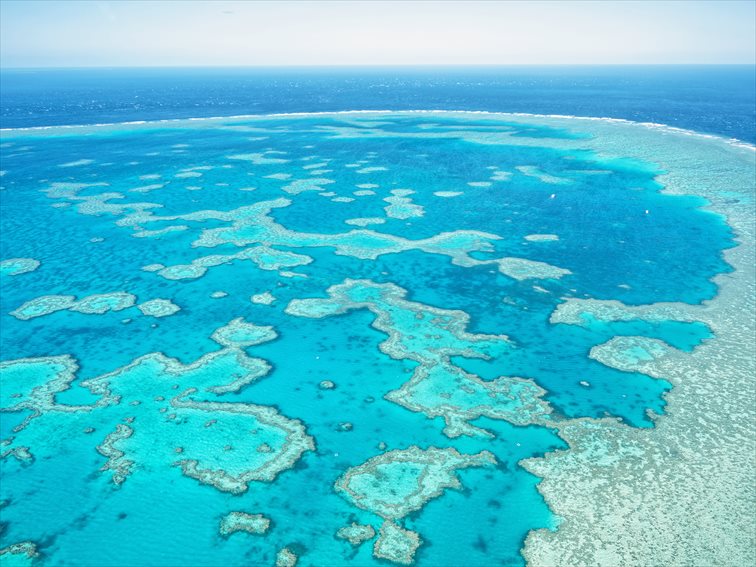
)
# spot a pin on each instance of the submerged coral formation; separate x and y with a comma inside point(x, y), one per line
point(97, 304)
point(244, 522)
point(154, 406)
point(431, 336)
point(18, 266)
point(286, 558)
point(355, 533)
point(19, 554)
point(158, 308)
point(396, 483)
point(396, 544)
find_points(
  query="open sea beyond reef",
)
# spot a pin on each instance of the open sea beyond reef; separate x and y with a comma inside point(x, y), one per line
point(346, 338)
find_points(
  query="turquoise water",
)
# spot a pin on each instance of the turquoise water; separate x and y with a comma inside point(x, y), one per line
point(431, 334)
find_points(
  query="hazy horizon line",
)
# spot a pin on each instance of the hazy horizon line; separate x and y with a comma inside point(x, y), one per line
point(374, 65)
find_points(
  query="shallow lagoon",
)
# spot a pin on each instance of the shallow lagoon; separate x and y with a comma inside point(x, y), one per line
point(618, 237)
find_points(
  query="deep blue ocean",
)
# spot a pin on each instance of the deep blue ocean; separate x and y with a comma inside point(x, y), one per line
point(326, 320)
point(706, 98)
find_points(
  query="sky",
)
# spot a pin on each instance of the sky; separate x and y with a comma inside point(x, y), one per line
point(90, 33)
